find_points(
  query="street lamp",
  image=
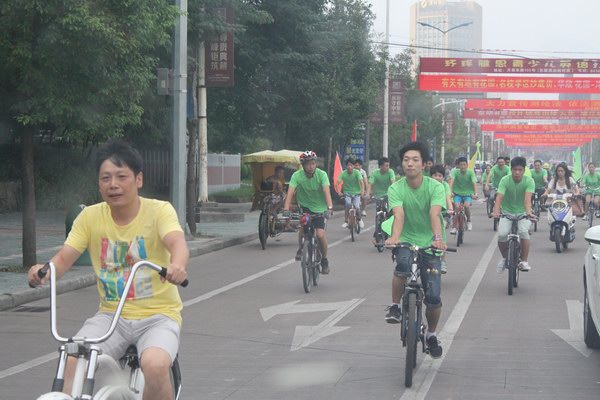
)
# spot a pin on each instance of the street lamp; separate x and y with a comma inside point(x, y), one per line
point(447, 30)
point(443, 146)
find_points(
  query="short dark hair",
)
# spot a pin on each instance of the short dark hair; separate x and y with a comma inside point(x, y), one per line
point(518, 162)
point(540, 161)
point(416, 146)
point(463, 159)
point(279, 168)
point(382, 161)
point(507, 159)
point(120, 153)
point(437, 169)
point(358, 161)
point(591, 163)
point(350, 160)
point(500, 158)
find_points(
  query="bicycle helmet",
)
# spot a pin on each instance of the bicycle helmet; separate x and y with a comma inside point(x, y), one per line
point(307, 156)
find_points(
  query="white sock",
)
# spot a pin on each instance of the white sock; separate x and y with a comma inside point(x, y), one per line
point(429, 334)
point(396, 304)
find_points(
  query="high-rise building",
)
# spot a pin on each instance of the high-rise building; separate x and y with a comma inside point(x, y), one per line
point(436, 26)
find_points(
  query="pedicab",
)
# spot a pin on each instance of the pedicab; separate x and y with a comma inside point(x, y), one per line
point(267, 198)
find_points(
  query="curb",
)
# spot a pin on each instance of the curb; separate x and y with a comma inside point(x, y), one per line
point(12, 300)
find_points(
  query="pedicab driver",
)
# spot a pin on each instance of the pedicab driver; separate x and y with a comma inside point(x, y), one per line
point(118, 232)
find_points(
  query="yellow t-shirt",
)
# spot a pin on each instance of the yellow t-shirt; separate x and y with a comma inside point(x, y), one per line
point(114, 249)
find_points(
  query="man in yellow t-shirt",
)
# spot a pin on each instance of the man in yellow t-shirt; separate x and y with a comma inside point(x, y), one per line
point(117, 233)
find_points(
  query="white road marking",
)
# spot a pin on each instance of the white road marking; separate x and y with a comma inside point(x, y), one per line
point(428, 369)
point(51, 356)
point(574, 335)
point(291, 308)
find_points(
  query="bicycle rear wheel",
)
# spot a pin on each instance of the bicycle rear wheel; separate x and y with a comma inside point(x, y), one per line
point(316, 272)
point(411, 339)
point(590, 215)
point(306, 265)
point(263, 229)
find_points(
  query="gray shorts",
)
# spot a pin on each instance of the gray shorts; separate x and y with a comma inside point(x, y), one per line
point(505, 225)
point(156, 331)
point(431, 281)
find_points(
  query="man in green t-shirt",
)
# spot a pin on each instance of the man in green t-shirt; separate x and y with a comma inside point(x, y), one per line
point(381, 179)
point(514, 199)
point(540, 177)
point(591, 183)
point(498, 171)
point(310, 185)
point(353, 189)
point(416, 204)
point(463, 184)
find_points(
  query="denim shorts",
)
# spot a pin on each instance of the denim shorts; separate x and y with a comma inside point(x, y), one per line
point(431, 281)
point(467, 199)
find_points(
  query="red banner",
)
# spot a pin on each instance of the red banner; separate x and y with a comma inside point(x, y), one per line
point(487, 104)
point(547, 137)
point(509, 66)
point(575, 128)
point(530, 114)
point(505, 83)
point(219, 53)
point(544, 144)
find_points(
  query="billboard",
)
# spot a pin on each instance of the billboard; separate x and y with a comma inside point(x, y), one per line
point(509, 65)
point(506, 83)
point(530, 114)
point(219, 53)
point(558, 128)
point(493, 104)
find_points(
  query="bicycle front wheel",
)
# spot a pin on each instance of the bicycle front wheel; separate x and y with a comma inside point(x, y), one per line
point(351, 222)
point(411, 339)
point(306, 265)
point(511, 260)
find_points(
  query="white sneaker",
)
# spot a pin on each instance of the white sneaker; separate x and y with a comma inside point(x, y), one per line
point(524, 266)
point(500, 267)
point(469, 226)
point(364, 213)
point(361, 224)
point(345, 225)
point(444, 268)
point(584, 217)
point(453, 231)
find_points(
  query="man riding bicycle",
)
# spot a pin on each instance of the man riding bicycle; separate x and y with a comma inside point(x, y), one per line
point(514, 199)
point(353, 190)
point(379, 182)
point(464, 186)
point(498, 171)
point(117, 233)
point(358, 164)
point(416, 203)
point(540, 177)
point(591, 183)
point(310, 186)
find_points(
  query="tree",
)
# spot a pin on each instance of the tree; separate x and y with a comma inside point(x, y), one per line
point(78, 66)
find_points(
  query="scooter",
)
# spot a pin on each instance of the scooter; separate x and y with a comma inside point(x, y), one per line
point(561, 221)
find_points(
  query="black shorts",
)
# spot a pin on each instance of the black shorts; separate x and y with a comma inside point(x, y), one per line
point(318, 222)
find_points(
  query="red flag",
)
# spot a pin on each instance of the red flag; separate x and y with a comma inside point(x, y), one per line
point(337, 170)
point(413, 138)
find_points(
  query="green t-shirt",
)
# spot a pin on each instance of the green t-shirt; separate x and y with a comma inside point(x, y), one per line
point(484, 177)
point(416, 204)
point(496, 174)
point(514, 193)
point(592, 183)
point(540, 178)
point(447, 190)
point(309, 191)
point(381, 182)
point(351, 181)
point(463, 183)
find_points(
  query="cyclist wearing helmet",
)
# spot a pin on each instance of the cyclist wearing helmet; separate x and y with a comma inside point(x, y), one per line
point(310, 185)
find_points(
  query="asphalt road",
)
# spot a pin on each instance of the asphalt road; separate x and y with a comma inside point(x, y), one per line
point(250, 331)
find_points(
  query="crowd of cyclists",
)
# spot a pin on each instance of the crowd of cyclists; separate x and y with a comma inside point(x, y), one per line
point(126, 228)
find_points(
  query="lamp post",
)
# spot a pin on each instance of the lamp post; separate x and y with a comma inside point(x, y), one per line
point(447, 30)
point(386, 85)
point(443, 145)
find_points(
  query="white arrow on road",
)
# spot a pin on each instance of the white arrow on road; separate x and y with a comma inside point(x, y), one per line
point(574, 335)
point(306, 335)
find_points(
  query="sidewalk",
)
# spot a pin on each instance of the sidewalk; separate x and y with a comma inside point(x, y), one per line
point(50, 235)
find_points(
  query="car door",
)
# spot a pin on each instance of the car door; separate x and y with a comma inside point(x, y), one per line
point(593, 281)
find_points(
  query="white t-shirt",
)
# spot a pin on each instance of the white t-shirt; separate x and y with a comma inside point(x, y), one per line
point(560, 187)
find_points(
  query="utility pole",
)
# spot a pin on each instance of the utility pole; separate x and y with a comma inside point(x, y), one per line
point(202, 126)
point(178, 149)
point(386, 85)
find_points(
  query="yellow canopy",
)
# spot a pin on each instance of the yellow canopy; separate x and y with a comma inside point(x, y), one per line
point(269, 156)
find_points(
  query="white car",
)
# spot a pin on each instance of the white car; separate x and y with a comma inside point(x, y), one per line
point(591, 285)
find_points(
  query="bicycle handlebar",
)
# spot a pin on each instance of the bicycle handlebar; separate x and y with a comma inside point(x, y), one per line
point(417, 248)
point(117, 314)
point(513, 218)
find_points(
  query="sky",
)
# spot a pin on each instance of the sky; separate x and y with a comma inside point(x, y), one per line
point(536, 28)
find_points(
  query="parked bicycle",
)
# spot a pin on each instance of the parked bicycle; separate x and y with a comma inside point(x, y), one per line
point(353, 224)
point(127, 381)
point(381, 205)
point(412, 329)
point(513, 257)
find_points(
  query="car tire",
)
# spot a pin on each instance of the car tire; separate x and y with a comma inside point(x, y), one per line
point(590, 332)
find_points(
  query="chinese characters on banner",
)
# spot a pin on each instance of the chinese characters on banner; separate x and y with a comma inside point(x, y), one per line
point(487, 104)
point(509, 65)
point(530, 114)
point(574, 128)
point(219, 53)
point(396, 104)
point(546, 137)
point(474, 132)
point(356, 149)
point(487, 142)
point(449, 125)
point(507, 83)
